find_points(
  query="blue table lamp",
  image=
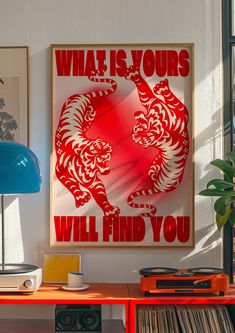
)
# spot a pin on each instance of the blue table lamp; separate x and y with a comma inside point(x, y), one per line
point(19, 173)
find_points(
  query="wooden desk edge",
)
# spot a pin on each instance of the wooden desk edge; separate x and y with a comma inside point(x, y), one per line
point(105, 293)
point(109, 293)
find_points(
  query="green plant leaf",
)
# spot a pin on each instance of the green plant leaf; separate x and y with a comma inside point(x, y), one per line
point(213, 193)
point(222, 219)
point(225, 167)
point(232, 217)
point(224, 201)
point(220, 206)
point(224, 206)
point(226, 178)
point(220, 184)
point(231, 156)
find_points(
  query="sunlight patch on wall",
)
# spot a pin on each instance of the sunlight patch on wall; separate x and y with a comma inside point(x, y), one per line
point(14, 251)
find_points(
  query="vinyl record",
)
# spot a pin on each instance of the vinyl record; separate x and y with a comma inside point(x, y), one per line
point(17, 268)
point(206, 270)
point(157, 271)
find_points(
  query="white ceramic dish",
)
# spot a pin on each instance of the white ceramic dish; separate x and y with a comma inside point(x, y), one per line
point(84, 287)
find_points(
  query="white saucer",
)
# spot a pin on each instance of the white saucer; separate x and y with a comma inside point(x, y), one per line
point(84, 287)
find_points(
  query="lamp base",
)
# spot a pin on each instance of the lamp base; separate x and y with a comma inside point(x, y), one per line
point(17, 268)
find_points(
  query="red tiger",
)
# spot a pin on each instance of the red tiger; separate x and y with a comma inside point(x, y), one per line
point(80, 159)
point(163, 126)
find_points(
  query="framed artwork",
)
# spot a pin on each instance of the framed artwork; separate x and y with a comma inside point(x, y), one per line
point(122, 146)
point(14, 94)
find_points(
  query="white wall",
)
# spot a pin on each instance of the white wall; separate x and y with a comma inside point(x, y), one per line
point(39, 23)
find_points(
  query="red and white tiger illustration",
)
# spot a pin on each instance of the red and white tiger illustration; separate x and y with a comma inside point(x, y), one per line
point(80, 159)
point(163, 126)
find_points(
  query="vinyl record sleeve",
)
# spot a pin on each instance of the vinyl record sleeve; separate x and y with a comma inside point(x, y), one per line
point(57, 267)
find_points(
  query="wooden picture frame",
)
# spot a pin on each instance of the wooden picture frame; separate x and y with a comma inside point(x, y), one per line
point(14, 94)
point(122, 172)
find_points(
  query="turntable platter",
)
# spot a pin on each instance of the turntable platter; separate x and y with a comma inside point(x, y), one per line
point(205, 270)
point(157, 271)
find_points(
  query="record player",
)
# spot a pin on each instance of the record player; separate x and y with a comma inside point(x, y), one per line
point(200, 280)
point(23, 278)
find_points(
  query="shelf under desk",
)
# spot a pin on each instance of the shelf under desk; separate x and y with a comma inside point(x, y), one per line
point(48, 326)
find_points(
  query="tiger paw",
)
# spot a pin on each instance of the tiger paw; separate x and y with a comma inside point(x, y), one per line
point(110, 210)
point(161, 88)
point(82, 198)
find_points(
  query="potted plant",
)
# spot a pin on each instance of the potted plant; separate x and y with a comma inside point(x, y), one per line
point(224, 189)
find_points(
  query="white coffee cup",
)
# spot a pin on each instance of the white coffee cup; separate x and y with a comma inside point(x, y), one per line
point(75, 279)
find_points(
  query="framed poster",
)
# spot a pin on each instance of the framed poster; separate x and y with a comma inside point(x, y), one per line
point(121, 162)
point(14, 94)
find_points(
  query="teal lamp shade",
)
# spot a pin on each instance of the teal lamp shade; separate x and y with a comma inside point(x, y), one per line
point(19, 173)
point(19, 169)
